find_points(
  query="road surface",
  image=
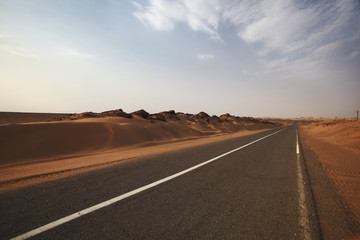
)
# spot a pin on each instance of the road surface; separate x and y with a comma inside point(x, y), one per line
point(251, 187)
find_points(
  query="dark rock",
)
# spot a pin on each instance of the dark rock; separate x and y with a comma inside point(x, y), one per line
point(171, 112)
point(142, 113)
point(224, 117)
point(90, 115)
point(117, 112)
point(202, 115)
point(170, 115)
point(215, 118)
point(157, 116)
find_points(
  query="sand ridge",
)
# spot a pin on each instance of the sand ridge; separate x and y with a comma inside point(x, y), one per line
point(38, 151)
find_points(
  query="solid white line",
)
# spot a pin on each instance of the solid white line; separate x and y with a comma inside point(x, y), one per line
point(128, 194)
point(303, 217)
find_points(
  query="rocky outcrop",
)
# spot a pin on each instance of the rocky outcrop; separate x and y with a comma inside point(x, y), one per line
point(202, 115)
point(84, 115)
point(215, 118)
point(170, 115)
point(142, 113)
point(157, 116)
point(117, 113)
point(225, 116)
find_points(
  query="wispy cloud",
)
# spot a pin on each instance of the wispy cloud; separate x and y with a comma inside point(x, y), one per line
point(355, 53)
point(163, 14)
point(18, 51)
point(206, 56)
point(287, 30)
point(297, 31)
point(75, 54)
point(4, 36)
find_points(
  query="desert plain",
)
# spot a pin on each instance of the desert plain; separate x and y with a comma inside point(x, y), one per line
point(36, 148)
point(336, 147)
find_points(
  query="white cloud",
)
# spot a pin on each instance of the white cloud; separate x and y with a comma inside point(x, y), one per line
point(9, 45)
point(18, 51)
point(355, 53)
point(290, 31)
point(287, 27)
point(160, 15)
point(206, 56)
point(163, 14)
point(72, 53)
point(286, 30)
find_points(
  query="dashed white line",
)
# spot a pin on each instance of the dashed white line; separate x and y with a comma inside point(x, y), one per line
point(128, 194)
point(303, 211)
point(297, 145)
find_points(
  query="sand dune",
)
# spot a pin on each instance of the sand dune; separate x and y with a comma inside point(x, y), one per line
point(25, 142)
point(75, 141)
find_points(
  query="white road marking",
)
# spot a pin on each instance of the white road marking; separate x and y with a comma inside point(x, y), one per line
point(303, 217)
point(297, 144)
point(128, 194)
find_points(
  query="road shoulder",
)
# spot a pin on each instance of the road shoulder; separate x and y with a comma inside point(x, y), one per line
point(337, 221)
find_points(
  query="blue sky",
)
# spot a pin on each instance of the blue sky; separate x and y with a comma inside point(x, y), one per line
point(261, 58)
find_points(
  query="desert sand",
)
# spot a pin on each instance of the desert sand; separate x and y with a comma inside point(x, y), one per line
point(36, 148)
point(337, 145)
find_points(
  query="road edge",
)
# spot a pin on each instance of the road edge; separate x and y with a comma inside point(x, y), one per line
point(334, 218)
point(313, 215)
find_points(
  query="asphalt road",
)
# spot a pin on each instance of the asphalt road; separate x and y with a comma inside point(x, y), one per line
point(252, 193)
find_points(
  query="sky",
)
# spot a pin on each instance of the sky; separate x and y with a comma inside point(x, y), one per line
point(260, 58)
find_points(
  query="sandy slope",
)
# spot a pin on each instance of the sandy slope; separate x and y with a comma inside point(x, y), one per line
point(19, 117)
point(26, 142)
point(38, 151)
point(337, 144)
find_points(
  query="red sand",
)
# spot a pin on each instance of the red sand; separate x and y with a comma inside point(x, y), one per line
point(337, 144)
point(30, 152)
